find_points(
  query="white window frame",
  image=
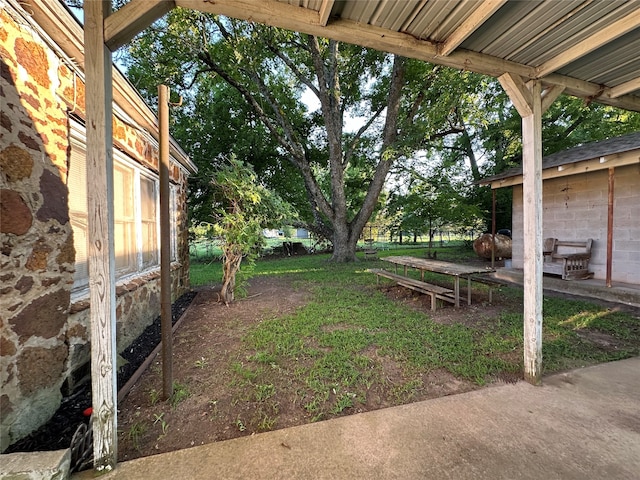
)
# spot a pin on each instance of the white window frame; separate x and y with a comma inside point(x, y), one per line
point(173, 213)
point(78, 144)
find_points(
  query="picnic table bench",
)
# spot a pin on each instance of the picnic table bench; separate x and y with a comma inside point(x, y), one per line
point(436, 292)
point(567, 258)
point(454, 270)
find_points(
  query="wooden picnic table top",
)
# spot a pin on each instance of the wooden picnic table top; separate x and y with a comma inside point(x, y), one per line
point(438, 266)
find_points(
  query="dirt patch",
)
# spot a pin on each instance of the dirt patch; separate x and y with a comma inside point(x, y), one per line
point(207, 348)
point(601, 339)
point(207, 343)
point(474, 315)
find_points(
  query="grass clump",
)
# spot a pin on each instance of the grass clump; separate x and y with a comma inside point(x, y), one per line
point(351, 340)
point(180, 393)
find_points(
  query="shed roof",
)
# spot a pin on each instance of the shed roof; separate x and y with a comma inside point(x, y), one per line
point(596, 152)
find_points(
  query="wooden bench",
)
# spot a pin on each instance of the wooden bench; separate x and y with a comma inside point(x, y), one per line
point(434, 291)
point(370, 254)
point(567, 258)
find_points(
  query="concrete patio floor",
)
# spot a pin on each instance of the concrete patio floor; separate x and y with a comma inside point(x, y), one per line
point(583, 424)
point(593, 288)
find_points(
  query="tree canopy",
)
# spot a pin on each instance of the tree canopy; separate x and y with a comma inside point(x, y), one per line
point(331, 126)
point(375, 111)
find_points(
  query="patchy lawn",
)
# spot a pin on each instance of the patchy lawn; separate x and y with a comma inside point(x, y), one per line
point(313, 341)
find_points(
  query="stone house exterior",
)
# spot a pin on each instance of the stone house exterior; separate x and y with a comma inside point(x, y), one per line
point(576, 203)
point(44, 306)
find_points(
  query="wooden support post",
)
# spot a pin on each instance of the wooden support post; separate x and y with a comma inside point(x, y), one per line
point(102, 293)
point(165, 244)
point(493, 228)
point(527, 98)
point(532, 216)
point(610, 228)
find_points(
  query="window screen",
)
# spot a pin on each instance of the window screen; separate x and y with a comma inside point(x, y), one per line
point(148, 199)
point(135, 212)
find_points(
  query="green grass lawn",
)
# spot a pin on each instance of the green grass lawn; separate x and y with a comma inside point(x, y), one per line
point(327, 345)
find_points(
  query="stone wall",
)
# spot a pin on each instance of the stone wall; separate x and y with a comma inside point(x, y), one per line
point(44, 336)
point(576, 208)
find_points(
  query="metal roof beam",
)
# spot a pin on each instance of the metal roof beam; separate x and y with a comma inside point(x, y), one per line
point(484, 11)
point(595, 41)
point(283, 15)
point(592, 92)
point(624, 88)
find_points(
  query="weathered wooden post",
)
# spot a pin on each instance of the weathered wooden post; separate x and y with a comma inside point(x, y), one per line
point(610, 204)
point(531, 102)
point(102, 291)
point(165, 244)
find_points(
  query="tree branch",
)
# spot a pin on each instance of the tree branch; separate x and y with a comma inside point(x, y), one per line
point(296, 71)
point(296, 146)
point(352, 145)
point(390, 135)
point(248, 96)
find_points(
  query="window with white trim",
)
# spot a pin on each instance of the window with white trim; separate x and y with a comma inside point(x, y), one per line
point(136, 217)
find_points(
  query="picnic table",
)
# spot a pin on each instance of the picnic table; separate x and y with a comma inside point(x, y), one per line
point(456, 270)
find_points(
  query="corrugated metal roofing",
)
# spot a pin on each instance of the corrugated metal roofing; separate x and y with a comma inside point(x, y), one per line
point(527, 33)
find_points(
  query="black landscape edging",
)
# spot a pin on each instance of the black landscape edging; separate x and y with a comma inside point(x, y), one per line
point(57, 433)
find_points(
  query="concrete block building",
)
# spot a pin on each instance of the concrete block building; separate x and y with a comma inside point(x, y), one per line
point(578, 186)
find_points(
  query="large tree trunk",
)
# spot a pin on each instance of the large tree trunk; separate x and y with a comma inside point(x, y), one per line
point(331, 212)
point(344, 246)
point(346, 233)
point(230, 265)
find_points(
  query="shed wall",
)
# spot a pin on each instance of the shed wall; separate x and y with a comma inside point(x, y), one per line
point(575, 208)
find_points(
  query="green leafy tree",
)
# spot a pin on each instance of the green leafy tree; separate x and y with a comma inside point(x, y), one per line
point(482, 135)
point(247, 89)
point(341, 170)
point(242, 209)
point(432, 203)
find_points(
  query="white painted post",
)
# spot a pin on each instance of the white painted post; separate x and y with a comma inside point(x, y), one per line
point(102, 292)
point(532, 216)
point(527, 98)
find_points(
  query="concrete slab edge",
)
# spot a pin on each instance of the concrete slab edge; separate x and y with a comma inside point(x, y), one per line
point(36, 465)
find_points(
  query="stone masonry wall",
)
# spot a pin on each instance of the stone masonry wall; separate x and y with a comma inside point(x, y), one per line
point(44, 338)
point(575, 208)
point(37, 260)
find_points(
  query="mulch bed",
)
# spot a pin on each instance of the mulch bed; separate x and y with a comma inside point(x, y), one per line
point(57, 433)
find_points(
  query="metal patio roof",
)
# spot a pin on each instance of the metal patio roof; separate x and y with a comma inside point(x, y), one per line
point(585, 48)
point(588, 47)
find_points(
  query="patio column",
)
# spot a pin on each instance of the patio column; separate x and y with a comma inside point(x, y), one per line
point(102, 292)
point(532, 220)
point(530, 101)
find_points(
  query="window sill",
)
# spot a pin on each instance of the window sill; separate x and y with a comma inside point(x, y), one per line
point(80, 299)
